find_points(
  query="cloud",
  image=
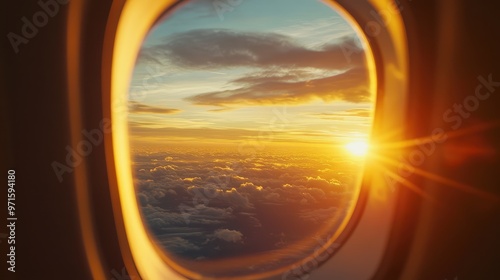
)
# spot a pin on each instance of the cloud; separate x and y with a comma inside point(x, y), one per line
point(288, 72)
point(193, 179)
point(229, 197)
point(318, 182)
point(358, 112)
point(138, 129)
point(273, 196)
point(236, 198)
point(235, 209)
point(275, 74)
point(160, 171)
point(160, 219)
point(178, 245)
point(139, 108)
point(229, 235)
point(171, 192)
point(349, 86)
point(222, 48)
point(254, 221)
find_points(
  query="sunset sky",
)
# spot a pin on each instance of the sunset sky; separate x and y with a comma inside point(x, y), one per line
point(271, 72)
point(273, 66)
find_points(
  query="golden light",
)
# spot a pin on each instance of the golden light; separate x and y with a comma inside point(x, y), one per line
point(357, 148)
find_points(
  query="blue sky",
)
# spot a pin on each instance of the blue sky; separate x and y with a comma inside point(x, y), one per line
point(200, 69)
point(293, 17)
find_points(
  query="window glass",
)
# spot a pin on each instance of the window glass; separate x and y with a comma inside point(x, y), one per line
point(248, 124)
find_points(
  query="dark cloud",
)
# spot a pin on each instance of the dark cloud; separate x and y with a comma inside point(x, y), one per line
point(160, 219)
point(221, 48)
point(230, 198)
point(178, 245)
point(138, 108)
point(228, 235)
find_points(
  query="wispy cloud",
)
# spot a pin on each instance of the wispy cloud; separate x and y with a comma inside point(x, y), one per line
point(361, 112)
point(138, 129)
point(139, 108)
point(348, 86)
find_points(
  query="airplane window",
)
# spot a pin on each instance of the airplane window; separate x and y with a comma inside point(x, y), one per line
point(249, 124)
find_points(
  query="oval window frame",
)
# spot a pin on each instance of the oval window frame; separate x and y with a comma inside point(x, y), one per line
point(388, 67)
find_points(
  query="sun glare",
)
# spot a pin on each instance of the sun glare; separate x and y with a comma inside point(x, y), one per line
point(357, 148)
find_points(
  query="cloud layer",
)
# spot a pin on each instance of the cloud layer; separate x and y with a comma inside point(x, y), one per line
point(347, 86)
point(211, 203)
point(288, 72)
point(222, 48)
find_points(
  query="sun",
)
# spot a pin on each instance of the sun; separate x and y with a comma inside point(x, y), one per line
point(357, 148)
